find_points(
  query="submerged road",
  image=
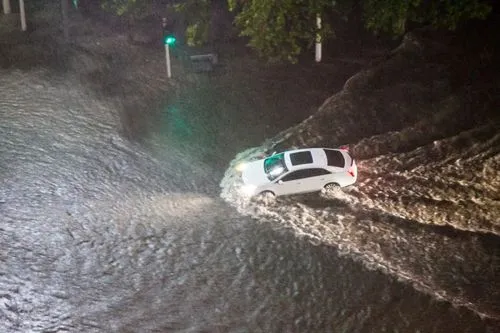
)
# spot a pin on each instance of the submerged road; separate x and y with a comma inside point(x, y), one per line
point(99, 234)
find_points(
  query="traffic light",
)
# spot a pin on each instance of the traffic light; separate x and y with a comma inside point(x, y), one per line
point(169, 40)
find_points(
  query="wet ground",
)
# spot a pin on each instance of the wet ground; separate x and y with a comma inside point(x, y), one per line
point(110, 225)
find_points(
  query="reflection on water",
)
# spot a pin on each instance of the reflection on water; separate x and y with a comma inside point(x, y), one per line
point(176, 123)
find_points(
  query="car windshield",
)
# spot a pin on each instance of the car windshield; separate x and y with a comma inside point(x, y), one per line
point(275, 166)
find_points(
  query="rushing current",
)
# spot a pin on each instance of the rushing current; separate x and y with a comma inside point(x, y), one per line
point(100, 234)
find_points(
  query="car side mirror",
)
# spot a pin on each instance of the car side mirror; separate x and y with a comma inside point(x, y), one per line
point(280, 182)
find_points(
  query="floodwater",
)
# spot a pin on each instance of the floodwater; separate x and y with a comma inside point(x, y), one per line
point(98, 234)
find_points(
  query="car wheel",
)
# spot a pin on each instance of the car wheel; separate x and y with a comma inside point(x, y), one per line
point(267, 195)
point(331, 187)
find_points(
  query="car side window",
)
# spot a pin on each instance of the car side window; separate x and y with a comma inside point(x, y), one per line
point(318, 172)
point(299, 174)
point(305, 173)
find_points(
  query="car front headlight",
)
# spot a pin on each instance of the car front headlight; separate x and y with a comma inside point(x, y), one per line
point(240, 167)
point(248, 189)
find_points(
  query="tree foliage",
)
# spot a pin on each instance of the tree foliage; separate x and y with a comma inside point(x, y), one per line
point(198, 14)
point(392, 16)
point(282, 29)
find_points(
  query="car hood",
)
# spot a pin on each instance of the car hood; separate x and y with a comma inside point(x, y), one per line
point(254, 173)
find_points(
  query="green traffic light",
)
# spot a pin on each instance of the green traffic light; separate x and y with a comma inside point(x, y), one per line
point(170, 40)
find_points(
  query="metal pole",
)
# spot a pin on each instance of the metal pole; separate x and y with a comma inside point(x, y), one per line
point(318, 39)
point(6, 7)
point(167, 57)
point(23, 15)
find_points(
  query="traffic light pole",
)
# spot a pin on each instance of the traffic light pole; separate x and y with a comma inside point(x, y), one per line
point(167, 58)
point(168, 39)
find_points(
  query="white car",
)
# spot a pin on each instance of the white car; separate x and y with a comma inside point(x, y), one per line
point(299, 171)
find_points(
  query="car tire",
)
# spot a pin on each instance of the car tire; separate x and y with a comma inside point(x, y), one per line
point(267, 194)
point(331, 187)
point(265, 197)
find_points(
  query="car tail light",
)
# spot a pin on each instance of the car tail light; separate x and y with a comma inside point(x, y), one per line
point(344, 148)
point(352, 170)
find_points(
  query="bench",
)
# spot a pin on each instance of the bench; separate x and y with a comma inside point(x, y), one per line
point(204, 62)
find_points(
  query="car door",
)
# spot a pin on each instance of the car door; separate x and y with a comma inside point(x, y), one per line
point(301, 181)
point(290, 183)
point(316, 179)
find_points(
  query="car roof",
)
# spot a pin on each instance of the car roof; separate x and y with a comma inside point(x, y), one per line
point(318, 155)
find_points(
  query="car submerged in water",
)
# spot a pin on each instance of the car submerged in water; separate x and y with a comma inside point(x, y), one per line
point(298, 171)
